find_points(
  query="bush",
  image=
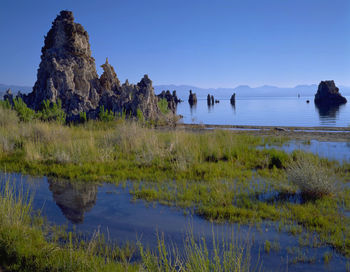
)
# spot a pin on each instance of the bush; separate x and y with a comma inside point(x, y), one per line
point(312, 179)
point(51, 111)
point(82, 117)
point(106, 115)
point(163, 105)
point(5, 104)
point(140, 116)
point(24, 113)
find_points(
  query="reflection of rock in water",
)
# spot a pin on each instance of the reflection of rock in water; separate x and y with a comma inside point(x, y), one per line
point(233, 106)
point(73, 199)
point(327, 111)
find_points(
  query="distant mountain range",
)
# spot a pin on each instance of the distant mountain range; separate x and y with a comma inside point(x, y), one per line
point(219, 93)
point(245, 91)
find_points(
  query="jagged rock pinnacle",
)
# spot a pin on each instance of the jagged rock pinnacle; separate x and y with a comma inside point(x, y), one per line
point(67, 71)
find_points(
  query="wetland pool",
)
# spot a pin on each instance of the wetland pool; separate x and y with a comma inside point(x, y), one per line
point(87, 207)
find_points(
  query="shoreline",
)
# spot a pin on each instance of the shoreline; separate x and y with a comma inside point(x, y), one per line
point(324, 134)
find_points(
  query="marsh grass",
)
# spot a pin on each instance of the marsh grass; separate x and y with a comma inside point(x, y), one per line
point(216, 174)
point(231, 254)
point(129, 150)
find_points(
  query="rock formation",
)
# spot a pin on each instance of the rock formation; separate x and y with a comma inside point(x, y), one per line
point(172, 99)
point(233, 99)
point(328, 94)
point(8, 96)
point(67, 72)
point(192, 99)
point(210, 100)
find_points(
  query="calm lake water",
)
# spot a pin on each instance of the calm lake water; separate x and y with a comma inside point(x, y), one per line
point(86, 207)
point(266, 111)
point(339, 151)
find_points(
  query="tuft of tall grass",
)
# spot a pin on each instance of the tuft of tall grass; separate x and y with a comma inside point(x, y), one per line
point(313, 180)
point(233, 255)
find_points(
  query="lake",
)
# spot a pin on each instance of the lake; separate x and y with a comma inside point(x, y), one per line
point(265, 111)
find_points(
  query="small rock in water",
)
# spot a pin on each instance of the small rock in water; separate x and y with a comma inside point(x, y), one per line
point(233, 99)
point(192, 99)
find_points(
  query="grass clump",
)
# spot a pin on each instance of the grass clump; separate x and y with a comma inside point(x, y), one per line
point(313, 180)
point(51, 111)
point(163, 106)
point(226, 256)
point(106, 115)
point(24, 113)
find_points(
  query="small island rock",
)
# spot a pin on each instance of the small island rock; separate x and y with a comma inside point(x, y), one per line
point(328, 94)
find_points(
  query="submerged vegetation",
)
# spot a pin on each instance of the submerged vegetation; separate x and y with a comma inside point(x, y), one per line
point(220, 175)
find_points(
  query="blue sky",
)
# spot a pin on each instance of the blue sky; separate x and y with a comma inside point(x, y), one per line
point(222, 43)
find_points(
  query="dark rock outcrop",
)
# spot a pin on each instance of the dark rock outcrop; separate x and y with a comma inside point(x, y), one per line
point(67, 72)
point(8, 96)
point(192, 99)
point(233, 99)
point(210, 100)
point(328, 94)
point(172, 99)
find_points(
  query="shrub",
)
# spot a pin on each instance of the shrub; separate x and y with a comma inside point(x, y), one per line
point(82, 117)
point(5, 104)
point(312, 179)
point(24, 113)
point(51, 111)
point(106, 115)
point(163, 106)
point(140, 116)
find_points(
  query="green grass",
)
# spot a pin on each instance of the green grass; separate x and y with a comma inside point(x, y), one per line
point(226, 256)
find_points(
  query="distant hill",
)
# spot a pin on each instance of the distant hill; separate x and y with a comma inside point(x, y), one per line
point(245, 91)
point(14, 89)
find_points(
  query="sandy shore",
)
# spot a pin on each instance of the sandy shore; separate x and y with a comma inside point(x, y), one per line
point(331, 134)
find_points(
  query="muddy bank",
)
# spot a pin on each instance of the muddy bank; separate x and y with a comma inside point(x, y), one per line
point(334, 134)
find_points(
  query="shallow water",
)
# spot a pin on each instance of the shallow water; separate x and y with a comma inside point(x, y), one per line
point(89, 206)
point(339, 151)
point(265, 111)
